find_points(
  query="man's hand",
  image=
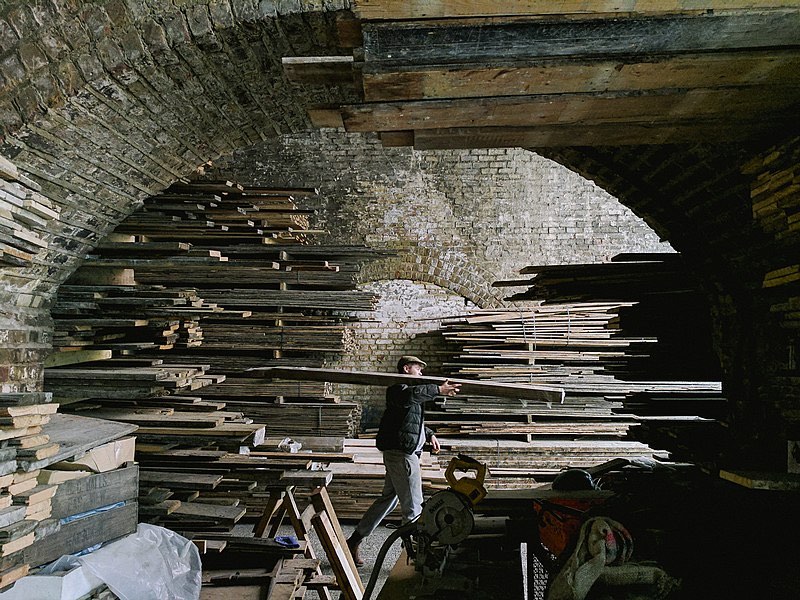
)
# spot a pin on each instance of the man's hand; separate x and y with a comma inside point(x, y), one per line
point(448, 388)
point(435, 446)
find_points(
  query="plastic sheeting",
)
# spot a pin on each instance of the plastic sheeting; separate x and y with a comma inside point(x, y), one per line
point(152, 564)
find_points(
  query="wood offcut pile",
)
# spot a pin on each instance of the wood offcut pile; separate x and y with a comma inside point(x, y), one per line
point(66, 483)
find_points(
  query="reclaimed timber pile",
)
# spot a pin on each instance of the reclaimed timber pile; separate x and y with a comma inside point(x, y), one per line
point(184, 441)
point(125, 319)
point(118, 357)
point(223, 275)
point(67, 483)
point(25, 216)
point(775, 195)
point(615, 336)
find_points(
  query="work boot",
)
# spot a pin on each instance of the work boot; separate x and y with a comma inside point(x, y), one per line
point(353, 543)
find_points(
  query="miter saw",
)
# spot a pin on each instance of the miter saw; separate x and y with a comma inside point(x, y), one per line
point(445, 521)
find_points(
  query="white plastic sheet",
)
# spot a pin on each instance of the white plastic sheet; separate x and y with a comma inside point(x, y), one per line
point(152, 564)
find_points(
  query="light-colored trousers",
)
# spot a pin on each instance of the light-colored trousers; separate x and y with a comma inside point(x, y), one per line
point(403, 483)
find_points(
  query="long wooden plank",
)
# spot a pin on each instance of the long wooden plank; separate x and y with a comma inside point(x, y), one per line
point(83, 533)
point(430, 9)
point(559, 76)
point(586, 110)
point(484, 40)
point(540, 393)
point(604, 134)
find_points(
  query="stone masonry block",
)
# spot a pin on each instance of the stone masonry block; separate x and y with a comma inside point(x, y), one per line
point(118, 14)
point(8, 37)
point(96, 21)
point(251, 10)
point(176, 28)
point(22, 20)
point(12, 69)
point(31, 56)
point(221, 13)
point(132, 46)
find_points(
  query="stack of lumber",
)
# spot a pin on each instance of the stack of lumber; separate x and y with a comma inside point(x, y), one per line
point(775, 195)
point(627, 276)
point(522, 464)
point(248, 389)
point(276, 301)
point(190, 490)
point(127, 318)
point(65, 485)
point(25, 216)
point(115, 382)
point(303, 418)
point(628, 341)
point(193, 477)
point(269, 336)
point(209, 260)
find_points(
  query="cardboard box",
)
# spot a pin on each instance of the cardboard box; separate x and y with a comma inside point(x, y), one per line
point(103, 458)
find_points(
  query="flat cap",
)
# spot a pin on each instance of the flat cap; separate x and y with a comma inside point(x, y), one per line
point(409, 360)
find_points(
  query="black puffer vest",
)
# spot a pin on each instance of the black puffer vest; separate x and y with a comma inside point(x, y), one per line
point(402, 421)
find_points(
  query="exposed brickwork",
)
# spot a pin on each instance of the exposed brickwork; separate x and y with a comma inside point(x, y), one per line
point(25, 340)
point(405, 322)
point(460, 219)
point(457, 220)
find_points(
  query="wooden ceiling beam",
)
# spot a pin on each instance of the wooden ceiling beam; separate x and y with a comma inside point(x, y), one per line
point(564, 109)
point(432, 9)
point(599, 135)
point(486, 41)
point(566, 75)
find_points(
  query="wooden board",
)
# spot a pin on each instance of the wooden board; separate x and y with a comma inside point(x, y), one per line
point(101, 489)
point(431, 9)
point(484, 40)
point(670, 108)
point(83, 533)
point(560, 76)
point(486, 388)
point(76, 435)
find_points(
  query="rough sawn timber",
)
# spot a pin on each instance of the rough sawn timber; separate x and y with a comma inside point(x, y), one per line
point(540, 393)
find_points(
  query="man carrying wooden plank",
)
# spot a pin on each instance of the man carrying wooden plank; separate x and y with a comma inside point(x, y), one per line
point(401, 436)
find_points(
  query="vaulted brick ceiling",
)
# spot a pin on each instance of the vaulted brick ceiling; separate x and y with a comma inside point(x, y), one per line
point(103, 103)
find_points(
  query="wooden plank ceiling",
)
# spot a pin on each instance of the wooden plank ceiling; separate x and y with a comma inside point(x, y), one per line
point(460, 74)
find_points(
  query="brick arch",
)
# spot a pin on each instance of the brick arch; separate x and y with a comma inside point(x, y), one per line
point(106, 103)
point(449, 271)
